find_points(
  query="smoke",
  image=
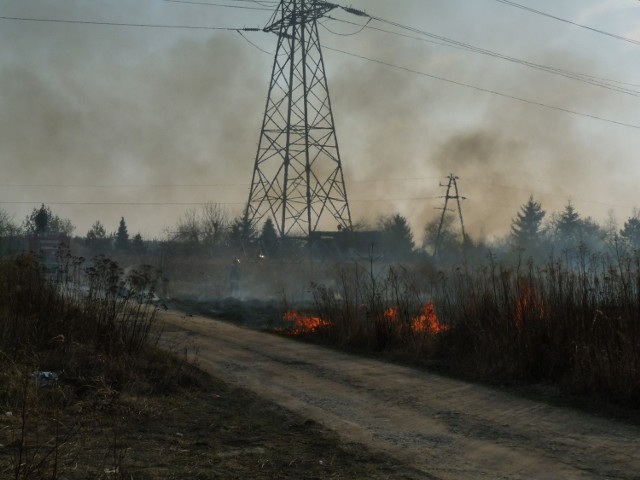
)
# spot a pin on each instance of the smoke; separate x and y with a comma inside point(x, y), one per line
point(397, 124)
point(87, 105)
point(124, 107)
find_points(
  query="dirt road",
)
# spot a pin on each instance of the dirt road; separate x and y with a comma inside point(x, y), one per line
point(445, 428)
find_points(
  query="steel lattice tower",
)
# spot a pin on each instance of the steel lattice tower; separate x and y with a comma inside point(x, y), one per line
point(297, 178)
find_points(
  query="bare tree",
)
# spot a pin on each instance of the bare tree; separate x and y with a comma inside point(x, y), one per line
point(7, 227)
point(214, 220)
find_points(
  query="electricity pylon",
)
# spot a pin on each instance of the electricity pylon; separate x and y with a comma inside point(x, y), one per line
point(297, 178)
point(452, 185)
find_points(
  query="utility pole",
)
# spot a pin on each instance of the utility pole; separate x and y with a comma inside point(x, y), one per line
point(452, 194)
point(297, 177)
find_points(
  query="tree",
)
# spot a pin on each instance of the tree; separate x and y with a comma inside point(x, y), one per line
point(42, 221)
point(397, 236)
point(214, 219)
point(242, 232)
point(203, 227)
point(188, 228)
point(568, 225)
point(137, 245)
point(7, 227)
point(631, 231)
point(269, 238)
point(122, 236)
point(97, 236)
point(526, 227)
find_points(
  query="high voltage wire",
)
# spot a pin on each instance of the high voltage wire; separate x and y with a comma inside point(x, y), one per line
point(590, 79)
point(191, 2)
point(345, 34)
point(446, 42)
point(143, 204)
point(397, 25)
point(198, 185)
point(117, 24)
point(354, 200)
point(480, 89)
point(548, 15)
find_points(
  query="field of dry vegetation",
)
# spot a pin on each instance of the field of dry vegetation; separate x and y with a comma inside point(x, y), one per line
point(572, 324)
point(85, 392)
point(117, 406)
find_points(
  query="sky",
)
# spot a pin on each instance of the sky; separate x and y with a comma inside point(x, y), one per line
point(107, 121)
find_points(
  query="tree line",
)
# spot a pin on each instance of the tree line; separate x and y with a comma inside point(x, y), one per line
point(532, 233)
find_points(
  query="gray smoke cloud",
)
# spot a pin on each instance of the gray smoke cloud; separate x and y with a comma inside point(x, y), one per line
point(124, 107)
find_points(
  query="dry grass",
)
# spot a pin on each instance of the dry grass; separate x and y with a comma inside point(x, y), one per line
point(123, 409)
point(573, 323)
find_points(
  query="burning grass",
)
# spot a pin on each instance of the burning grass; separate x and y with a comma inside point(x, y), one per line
point(426, 322)
point(573, 323)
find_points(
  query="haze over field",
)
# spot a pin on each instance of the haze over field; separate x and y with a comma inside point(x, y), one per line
point(103, 121)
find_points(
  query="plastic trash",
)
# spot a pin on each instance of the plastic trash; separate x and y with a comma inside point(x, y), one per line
point(45, 378)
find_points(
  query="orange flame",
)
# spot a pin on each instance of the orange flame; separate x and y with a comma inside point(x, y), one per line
point(428, 321)
point(304, 323)
point(391, 314)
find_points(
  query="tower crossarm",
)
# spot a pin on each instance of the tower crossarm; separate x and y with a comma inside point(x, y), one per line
point(305, 11)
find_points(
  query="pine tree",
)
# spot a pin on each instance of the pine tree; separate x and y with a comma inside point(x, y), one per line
point(41, 219)
point(631, 231)
point(526, 227)
point(269, 238)
point(569, 225)
point(243, 232)
point(397, 234)
point(137, 245)
point(122, 236)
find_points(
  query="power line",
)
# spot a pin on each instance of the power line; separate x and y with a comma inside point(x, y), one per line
point(589, 79)
point(253, 44)
point(191, 2)
point(451, 43)
point(145, 204)
point(116, 24)
point(345, 34)
point(548, 15)
point(485, 90)
point(58, 185)
point(193, 185)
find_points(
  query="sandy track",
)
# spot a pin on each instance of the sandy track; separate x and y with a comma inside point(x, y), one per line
point(445, 428)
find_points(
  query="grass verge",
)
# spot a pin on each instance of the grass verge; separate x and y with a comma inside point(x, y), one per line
point(85, 393)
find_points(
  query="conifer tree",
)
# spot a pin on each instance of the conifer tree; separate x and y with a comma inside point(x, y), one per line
point(631, 231)
point(397, 234)
point(122, 236)
point(526, 227)
point(269, 237)
point(569, 225)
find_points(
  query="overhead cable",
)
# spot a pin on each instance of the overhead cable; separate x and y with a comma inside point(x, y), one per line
point(116, 24)
point(493, 92)
point(446, 42)
point(589, 79)
point(596, 30)
point(191, 2)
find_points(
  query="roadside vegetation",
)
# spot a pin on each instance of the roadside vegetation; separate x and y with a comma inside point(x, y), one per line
point(572, 324)
point(85, 392)
point(553, 305)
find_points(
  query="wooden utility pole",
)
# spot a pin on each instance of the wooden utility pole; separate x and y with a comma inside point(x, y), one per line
point(452, 194)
